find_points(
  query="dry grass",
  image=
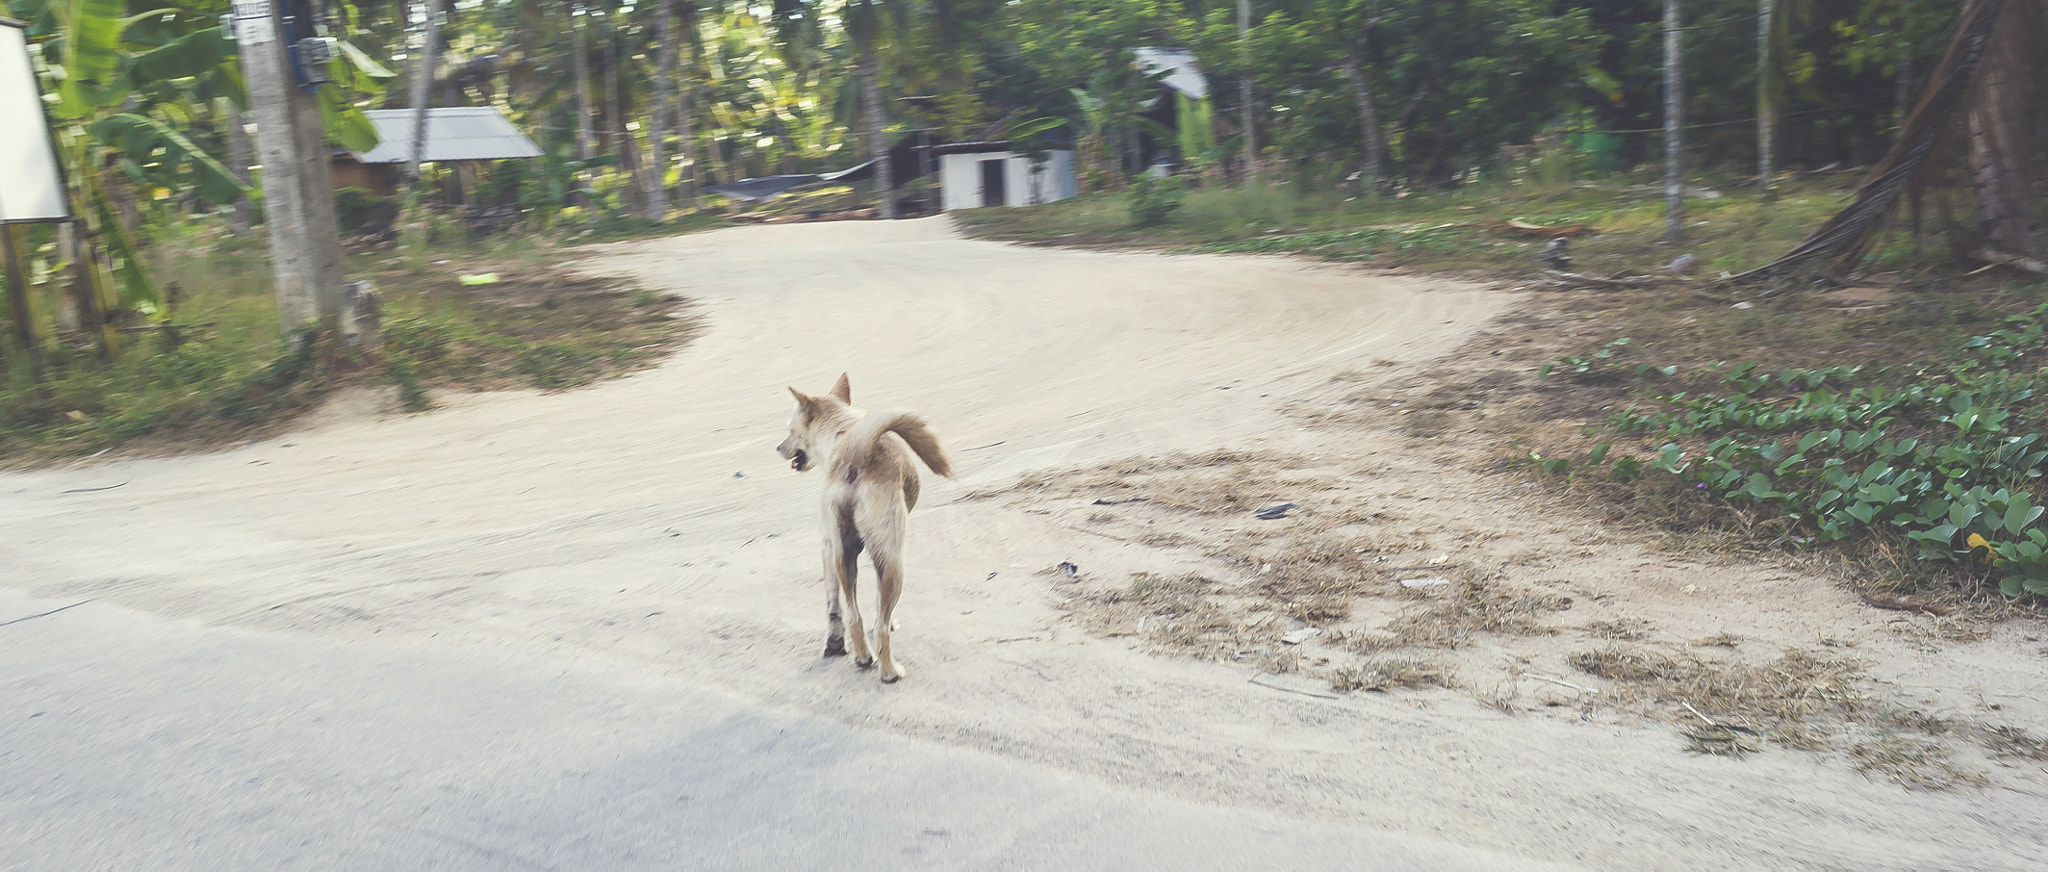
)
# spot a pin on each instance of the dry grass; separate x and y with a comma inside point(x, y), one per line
point(2008, 741)
point(1184, 614)
point(1472, 607)
point(1913, 763)
point(1384, 674)
point(1797, 701)
point(1623, 630)
point(1209, 483)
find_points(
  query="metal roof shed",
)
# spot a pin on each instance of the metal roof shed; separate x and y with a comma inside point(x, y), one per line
point(454, 133)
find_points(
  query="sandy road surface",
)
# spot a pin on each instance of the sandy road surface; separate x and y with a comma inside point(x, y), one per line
point(646, 525)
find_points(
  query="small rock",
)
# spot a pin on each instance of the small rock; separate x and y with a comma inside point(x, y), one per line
point(1277, 510)
point(1412, 583)
point(1557, 254)
point(1070, 569)
point(1302, 635)
point(1685, 265)
point(1742, 305)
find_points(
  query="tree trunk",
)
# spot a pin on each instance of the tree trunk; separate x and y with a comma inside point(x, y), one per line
point(238, 163)
point(21, 311)
point(619, 116)
point(1766, 97)
point(1244, 90)
point(878, 150)
point(686, 130)
point(422, 88)
point(655, 192)
point(581, 49)
point(1998, 138)
point(1674, 126)
point(1368, 118)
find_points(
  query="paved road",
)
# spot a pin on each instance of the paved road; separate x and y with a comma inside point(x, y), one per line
point(129, 742)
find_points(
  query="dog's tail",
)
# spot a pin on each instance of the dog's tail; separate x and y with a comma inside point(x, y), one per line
point(867, 436)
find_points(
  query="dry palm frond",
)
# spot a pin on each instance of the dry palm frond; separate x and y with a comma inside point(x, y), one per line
point(1853, 230)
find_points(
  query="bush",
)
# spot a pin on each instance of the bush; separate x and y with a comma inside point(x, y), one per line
point(1153, 200)
point(362, 213)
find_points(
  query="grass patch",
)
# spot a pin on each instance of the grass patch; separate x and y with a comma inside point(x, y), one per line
point(236, 376)
point(1461, 229)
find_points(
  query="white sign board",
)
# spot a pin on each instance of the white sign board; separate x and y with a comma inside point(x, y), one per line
point(30, 189)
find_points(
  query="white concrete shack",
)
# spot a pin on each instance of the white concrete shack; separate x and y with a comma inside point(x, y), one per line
point(976, 174)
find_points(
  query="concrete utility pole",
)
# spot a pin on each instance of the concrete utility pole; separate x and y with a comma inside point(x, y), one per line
point(291, 144)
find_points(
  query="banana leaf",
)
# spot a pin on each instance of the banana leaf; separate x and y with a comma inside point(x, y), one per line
point(140, 139)
point(92, 57)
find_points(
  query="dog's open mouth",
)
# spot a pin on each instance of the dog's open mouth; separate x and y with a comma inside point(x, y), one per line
point(800, 461)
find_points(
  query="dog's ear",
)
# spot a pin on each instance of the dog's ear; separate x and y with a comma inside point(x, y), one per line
point(803, 400)
point(843, 390)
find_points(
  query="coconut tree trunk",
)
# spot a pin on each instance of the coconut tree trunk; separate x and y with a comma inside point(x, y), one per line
point(1244, 90)
point(655, 193)
point(1998, 138)
point(878, 150)
point(1766, 96)
point(238, 163)
point(423, 87)
point(1674, 125)
point(1368, 118)
point(580, 48)
point(686, 132)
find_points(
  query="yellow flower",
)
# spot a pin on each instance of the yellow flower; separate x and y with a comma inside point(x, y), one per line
point(1977, 541)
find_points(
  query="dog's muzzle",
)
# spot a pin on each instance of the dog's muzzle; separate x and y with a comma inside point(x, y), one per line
point(799, 461)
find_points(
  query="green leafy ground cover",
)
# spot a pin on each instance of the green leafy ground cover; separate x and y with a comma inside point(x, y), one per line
point(1946, 455)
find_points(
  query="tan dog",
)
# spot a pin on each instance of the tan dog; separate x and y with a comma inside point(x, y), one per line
point(870, 488)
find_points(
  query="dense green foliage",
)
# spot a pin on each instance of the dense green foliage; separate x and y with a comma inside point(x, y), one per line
point(1458, 84)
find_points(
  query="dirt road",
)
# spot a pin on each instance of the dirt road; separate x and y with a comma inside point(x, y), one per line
point(647, 526)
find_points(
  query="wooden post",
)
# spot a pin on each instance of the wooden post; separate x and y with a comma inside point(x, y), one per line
point(291, 146)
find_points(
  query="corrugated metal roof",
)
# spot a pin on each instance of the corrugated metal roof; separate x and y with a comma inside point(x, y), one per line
point(453, 133)
point(1183, 74)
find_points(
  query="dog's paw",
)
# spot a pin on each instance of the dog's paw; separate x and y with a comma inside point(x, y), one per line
point(863, 661)
point(892, 674)
point(835, 647)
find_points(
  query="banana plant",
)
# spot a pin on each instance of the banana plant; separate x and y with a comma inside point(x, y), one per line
point(128, 81)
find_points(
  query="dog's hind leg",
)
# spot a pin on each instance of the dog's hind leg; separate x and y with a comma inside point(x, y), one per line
point(842, 568)
point(889, 586)
point(835, 629)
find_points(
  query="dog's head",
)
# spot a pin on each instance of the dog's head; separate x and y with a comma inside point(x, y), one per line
point(807, 425)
